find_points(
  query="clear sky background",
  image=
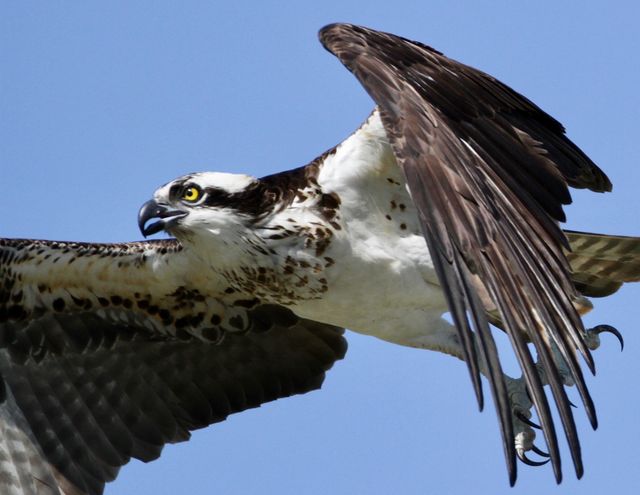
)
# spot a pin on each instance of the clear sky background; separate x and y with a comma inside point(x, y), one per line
point(102, 102)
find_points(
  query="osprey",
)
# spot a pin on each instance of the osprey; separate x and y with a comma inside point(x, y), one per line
point(447, 200)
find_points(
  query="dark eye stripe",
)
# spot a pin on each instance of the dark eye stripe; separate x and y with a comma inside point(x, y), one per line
point(214, 196)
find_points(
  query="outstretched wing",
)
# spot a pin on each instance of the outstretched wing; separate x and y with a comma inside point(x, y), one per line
point(94, 369)
point(488, 172)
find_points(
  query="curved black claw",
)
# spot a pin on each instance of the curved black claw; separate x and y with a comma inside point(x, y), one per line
point(609, 329)
point(540, 452)
point(527, 421)
point(572, 404)
point(523, 457)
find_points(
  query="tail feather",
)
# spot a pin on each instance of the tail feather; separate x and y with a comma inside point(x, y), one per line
point(602, 263)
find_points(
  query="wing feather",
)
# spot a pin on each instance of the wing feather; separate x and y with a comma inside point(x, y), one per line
point(88, 386)
point(489, 173)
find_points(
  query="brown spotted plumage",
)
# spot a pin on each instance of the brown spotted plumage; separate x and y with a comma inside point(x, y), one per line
point(110, 351)
point(100, 363)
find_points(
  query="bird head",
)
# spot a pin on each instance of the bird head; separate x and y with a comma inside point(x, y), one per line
point(208, 203)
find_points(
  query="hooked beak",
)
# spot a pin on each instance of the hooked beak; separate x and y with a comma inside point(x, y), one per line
point(152, 209)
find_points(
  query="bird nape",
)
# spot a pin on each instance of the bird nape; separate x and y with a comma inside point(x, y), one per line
point(447, 199)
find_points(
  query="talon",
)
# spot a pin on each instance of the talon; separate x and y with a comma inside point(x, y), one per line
point(527, 421)
point(523, 457)
point(572, 404)
point(526, 389)
point(540, 452)
point(609, 329)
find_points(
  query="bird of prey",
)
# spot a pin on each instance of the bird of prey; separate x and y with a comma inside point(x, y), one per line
point(446, 201)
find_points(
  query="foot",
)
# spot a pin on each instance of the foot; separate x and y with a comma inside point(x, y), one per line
point(592, 336)
point(523, 427)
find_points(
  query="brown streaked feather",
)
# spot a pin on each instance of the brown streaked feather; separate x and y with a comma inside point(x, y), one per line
point(602, 263)
point(488, 172)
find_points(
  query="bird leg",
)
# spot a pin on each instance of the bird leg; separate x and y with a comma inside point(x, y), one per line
point(442, 336)
point(521, 400)
point(523, 427)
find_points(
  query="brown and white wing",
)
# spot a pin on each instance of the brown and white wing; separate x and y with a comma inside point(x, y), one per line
point(488, 172)
point(95, 369)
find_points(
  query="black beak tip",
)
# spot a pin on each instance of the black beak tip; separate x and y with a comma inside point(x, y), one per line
point(153, 210)
point(147, 211)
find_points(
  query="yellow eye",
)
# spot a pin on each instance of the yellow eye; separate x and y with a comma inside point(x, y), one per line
point(191, 194)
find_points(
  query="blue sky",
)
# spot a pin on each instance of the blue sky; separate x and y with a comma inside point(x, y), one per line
point(102, 102)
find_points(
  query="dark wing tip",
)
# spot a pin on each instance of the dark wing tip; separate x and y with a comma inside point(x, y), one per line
point(605, 184)
point(332, 34)
point(331, 29)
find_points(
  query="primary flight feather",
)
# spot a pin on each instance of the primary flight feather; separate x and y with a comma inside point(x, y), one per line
point(446, 200)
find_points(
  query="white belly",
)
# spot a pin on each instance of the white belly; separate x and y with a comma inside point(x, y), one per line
point(384, 282)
